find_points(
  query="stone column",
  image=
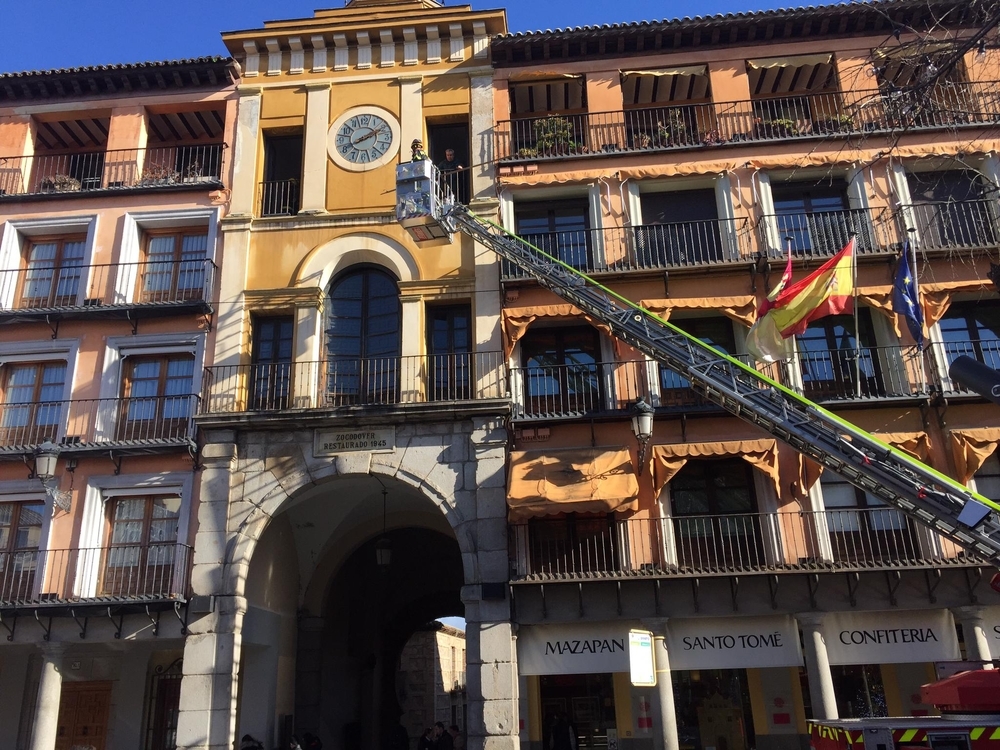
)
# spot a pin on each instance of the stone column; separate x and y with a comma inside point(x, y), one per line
point(664, 685)
point(977, 645)
point(315, 156)
point(43, 735)
point(245, 151)
point(824, 699)
point(13, 678)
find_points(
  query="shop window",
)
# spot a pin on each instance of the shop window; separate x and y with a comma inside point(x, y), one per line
point(560, 370)
point(835, 364)
point(560, 228)
point(582, 705)
point(142, 539)
point(364, 337)
point(449, 345)
point(713, 709)
point(157, 397)
point(174, 266)
point(714, 511)
point(862, 527)
point(52, 272)
point(679, 228)
point(32, 402)
point(859, 690)
point(717, 332)
point(271, 361)
point(20, 537)
point(972, 329)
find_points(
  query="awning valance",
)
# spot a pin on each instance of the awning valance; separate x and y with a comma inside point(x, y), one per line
point(668, 459)
point(684, 70)
point(741, 308)
point(971, 447)
point(516, 321)
point(791, 61)
point(541, 75)
point(916, 444)
point(581, 480)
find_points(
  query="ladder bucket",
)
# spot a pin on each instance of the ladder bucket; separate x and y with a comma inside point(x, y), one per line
point(422, 202)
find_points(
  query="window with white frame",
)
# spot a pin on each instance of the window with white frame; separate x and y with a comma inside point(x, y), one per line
point(46, 262)
point(140, 555)
point(20, 537)
point(32, 404)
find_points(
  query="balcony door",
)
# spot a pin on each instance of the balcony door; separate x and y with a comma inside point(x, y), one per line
point(716, 524)
point(833, 363)
point(952, 209)
point(142, 541)
point(449, 329)
point(560, 228)
point(282, 173)
point(863, 528)
point(573, 545)
point(157, 398)
point(271, 366)
point(818, 218)
point(173, 268)
point(680, 228)
point(20, 536)
point(561, 376)
point(364, 338)
point(52, 273)
point(717, 332)
point(972, 329)
point(32, 407)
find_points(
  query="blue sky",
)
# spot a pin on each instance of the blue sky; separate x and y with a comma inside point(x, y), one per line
point(44, 34)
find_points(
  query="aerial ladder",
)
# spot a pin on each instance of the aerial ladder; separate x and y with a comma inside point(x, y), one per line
point(427, 209)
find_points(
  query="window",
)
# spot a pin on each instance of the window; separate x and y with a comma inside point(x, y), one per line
point(271, 368)
point(679, 228)
point(157, 397)
point(818, 218)
point(560, 228)
point(988, 478)
point(675, 390)
point(20, 536)
point(859, 690)
point(560, 370)
point(52, 272)
point(951, 209)
point(714, 508)
point(282, 174)
point(546, 97)
point(972, 329)
point(174, 267)
point(831, 359)
point(862, 527)
point(450, 348)
point(572, 545)
point(364, 337)
point(142, 537)
point(32, 402)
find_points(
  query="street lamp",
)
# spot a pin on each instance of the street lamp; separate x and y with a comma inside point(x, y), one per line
point(46, 457)
point(642, 426)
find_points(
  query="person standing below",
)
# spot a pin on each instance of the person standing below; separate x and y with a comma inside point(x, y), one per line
point(426, 741)
point(563, 734)
point(458, 741)
point(442, 739)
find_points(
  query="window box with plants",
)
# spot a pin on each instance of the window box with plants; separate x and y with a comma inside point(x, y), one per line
point(840, 123)
point(60, 183)
point(553, 136)
point(776, 128)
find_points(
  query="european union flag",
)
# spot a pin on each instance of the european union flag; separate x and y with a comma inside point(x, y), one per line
point(906, 299)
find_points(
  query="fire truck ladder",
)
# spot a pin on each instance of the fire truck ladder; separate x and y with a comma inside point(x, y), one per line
point(968, 519)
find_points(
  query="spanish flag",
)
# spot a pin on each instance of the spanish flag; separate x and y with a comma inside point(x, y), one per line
point(827, 291)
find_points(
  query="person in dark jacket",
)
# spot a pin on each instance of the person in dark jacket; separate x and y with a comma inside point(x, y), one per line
point(442, 739)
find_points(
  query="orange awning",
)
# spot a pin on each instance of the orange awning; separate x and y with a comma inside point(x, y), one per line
point(668, 459)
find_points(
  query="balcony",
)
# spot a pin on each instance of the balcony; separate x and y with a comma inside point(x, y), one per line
point(278, 198)
point(870, 372)
point(821, 234)
point(346, 383)
point(90, 172)
point(127, 425)
point(107, 579)
point(654, 247)
point(951, 225)
point(830, 114)
point(785, 542)
point(120, 290)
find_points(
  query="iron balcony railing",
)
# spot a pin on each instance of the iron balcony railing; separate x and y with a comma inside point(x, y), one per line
point(821, 234)
point(868, 372)
point(116, 573)
point(951, 225)
point(82, 423)
point(351, 381)
point(649, 247)
point(836, 540)
point(53, 287)
point(705, 125)
point(279, 198)
point(941, 354)
point(120, 169)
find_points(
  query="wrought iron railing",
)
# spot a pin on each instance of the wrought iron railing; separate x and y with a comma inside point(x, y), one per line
point(943, 353)
point(833, 539)
point(351, 381)
point(118, 573)
point(48, 287)
point(704, 125)
point(136, 420)
point(279, 198)
point(821, 234)
point(119, 169)
point(868, 372)
point(579, 389)
point(951, 225)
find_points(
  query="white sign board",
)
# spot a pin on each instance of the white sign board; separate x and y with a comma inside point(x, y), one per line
point(731, 642)
point(596, 648)
point(890, 637)
point(367, 439)
point(991, 626)
point(642, 663)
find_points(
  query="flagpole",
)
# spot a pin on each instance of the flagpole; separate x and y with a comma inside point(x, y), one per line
point(916, 290)
point(857, 327)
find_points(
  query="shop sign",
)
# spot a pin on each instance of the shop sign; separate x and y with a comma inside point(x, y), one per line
point(991, 626)
point(733, 642)
point(597, 648)
point(366, 439)
point(890, 637)
point(642, 664)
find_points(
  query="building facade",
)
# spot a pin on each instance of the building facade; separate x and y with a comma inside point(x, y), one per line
point(430, 680)
point(679, 163)
point(112, 184)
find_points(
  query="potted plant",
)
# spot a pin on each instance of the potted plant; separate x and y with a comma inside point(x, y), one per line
point(838, 123)
point(554, 136)
point(60, 183)
point(671, 130)
point(778, 127)
point(158, 174)
point(642, 140)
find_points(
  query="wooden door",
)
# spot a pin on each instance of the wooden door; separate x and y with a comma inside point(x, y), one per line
point(83, 715)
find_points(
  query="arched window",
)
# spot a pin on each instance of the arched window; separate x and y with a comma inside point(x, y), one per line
point(363, 337)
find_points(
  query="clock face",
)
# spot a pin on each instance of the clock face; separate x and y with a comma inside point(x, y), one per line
point(363, 138)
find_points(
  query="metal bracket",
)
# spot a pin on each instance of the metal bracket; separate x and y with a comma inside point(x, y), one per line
point(853, 582)
point(9, 628)
point(684, 427)
point(194, 451)
point(893, 588)
point(579, 591)
point(208, 320)
point(812, 581)
point(934, 574)
point(46, 631)
point(155, 621)
point(666, 283)
point(83, 627)
point(656, 596)
point(973, 585)
point(541, 590)
point(618, 592)
point(134, 322)
point(53, 325)
point(772, 587)
point(117, 461)
point(695, 587)
point(734, 591)
point(117, 625)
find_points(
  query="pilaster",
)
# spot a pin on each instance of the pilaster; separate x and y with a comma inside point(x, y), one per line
point(315, 157)
point(245, 151)
point(824, 699)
